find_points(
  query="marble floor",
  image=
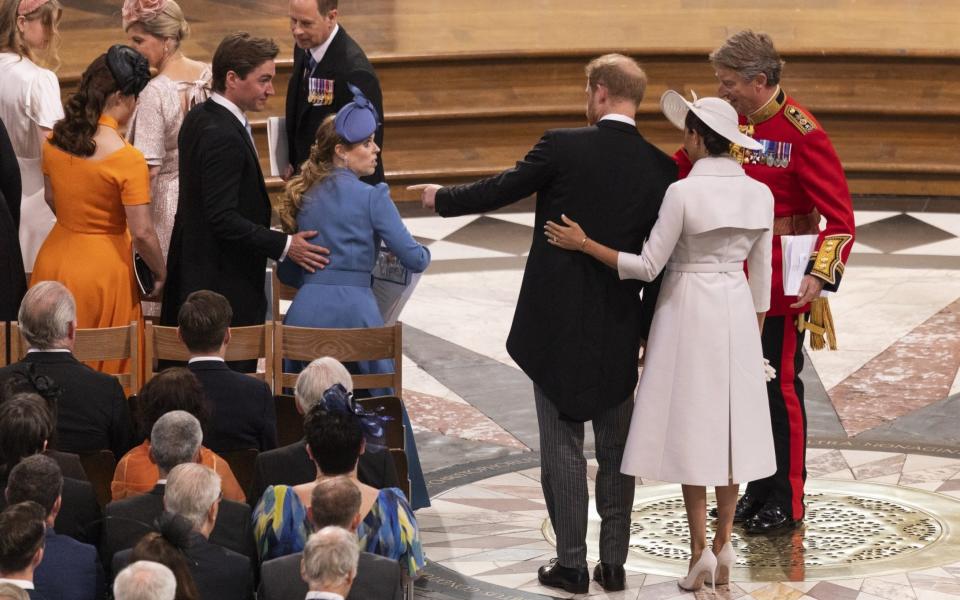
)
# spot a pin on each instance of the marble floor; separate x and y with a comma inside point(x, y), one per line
point(884, 411)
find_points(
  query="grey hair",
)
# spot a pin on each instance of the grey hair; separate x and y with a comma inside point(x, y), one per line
point(46, 313)
point(9, 591)
point(175, 439)
point(190, 492)
point(145, 580)
point(329, 556)
point(749, 54)
point(318, 377)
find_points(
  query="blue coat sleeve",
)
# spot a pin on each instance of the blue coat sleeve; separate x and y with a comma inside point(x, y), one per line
point(389, 226)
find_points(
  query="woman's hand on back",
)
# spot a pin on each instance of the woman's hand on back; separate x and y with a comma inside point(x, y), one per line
point(571, 237)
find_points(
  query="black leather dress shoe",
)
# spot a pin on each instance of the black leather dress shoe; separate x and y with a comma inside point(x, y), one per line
point(575, 581)
point(770, 519)
point(611, 577)
point(747, 507)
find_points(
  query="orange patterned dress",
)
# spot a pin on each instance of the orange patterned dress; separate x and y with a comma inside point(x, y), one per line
point(89, 249)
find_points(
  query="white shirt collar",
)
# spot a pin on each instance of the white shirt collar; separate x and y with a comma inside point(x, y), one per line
point(233, 108)
point(22, 583)
point(320, 51)
point(32, 350)
point(201, 358)
point(620, 118)
point(323, 596)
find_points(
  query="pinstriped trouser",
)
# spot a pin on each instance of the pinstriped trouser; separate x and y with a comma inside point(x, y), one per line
point(563, 476)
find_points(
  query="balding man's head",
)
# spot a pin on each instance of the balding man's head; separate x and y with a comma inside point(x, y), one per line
point(620, 75)
point(335, 502)
point(48, 316)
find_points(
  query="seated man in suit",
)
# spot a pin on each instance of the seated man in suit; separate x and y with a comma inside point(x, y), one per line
point(290, 465)
point(145, 580)
point(21, 545)
point(242, 414)
point(174, 440)
point(92, 410)
point(334, 503)
point(192, 502)
point(70, 569)
point(25, 428)
point(329, 564)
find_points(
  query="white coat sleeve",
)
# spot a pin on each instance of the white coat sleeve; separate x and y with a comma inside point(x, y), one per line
point(760, 266)
point(657, 250)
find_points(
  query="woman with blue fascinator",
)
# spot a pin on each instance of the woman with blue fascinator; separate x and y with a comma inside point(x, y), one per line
point(337, 431)
point(351, 218)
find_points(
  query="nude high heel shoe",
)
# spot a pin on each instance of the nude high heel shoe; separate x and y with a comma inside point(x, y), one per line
point(726, 558)
point(705, 567)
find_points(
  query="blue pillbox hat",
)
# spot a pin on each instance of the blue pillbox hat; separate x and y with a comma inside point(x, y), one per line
point(357, 120)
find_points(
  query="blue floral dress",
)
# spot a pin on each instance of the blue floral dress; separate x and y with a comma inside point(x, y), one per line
point(281, 527)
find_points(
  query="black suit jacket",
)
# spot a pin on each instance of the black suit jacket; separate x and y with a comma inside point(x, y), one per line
point(218, 572)
point(242, 412)
point(344, 62)
point(577, 328)
point(130, 519)
point(378, 578)
point(221, 238)
point(291, 465)
point(92, 412)
point(79, 516)
point(13, 282)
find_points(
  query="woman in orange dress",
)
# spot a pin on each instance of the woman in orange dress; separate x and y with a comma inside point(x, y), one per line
point(100, 188)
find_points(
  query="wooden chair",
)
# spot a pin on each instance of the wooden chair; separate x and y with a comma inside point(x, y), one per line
point(403, 476)
point(252, 342)
point(345, 345)
point(99, 467)
point(241, 463)
point(392, 408)
point(4, 335)
point(289, 420)
point(92, 345)
point(279, 291)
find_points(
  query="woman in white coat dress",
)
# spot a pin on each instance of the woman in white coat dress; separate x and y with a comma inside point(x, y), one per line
point(701, 416)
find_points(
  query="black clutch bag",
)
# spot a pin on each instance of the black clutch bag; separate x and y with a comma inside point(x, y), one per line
point(143, 274)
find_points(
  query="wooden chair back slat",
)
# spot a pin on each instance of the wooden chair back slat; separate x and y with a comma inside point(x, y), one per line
point(289, 420)
point(92, 345)
point(279, 291)
point(345, 345)
point(4, 336)
point(99, 467)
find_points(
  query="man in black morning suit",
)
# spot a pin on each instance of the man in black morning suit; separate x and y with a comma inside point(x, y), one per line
point(324, 53)
point(221, 235)
point(577, 329)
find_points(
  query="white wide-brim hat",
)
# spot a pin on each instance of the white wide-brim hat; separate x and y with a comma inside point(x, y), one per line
point(716, 113)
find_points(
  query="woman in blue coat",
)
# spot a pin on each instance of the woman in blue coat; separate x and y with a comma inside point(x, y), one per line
point(351, 218)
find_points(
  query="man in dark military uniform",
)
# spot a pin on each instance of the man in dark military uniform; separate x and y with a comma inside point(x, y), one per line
point(802, 169)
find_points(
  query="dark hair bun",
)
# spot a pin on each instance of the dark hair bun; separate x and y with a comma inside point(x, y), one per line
point(129, 68)
point(175, 529)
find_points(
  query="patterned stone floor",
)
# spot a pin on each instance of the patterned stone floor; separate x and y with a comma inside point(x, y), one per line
point(884, 409)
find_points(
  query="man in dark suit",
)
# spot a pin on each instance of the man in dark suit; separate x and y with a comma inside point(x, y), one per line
point(334, 503)
point(325, 60)
point(22, 534)
point(192, 501)
point(291, 465)
point(242, 413)
point(174, 440)
point(221, 237)
point(577, 329)
point(92, 410)
point(25, 427)
point(70, 570)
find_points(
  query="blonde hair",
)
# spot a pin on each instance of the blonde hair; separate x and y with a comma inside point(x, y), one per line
point(167, 24)
point(10, 39)
point(314, 170)
point(621, 75)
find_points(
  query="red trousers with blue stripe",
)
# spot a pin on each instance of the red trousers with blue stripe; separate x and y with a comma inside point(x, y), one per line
point(783, 347)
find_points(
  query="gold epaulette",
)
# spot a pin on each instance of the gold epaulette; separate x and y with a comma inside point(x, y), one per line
point(820, 325)
point(800, 119)
point(827, 264)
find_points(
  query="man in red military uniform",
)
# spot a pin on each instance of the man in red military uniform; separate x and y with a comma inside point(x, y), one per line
point(802, 169)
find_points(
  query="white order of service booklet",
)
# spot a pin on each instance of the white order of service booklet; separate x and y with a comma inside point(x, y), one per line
point(277, 144)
